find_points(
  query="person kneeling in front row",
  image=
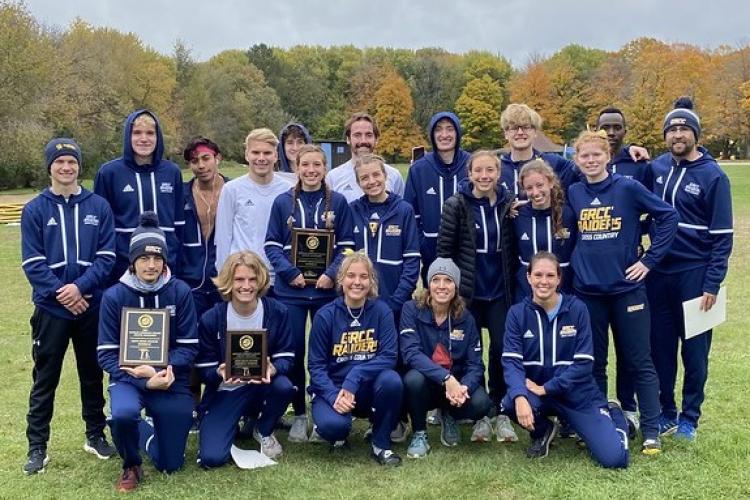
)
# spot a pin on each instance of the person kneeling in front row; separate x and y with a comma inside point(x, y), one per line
point(441, 348)
point(548, 359)
point(242, 283)
point(352, 356)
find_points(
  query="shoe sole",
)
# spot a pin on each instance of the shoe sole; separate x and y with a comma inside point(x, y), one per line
point(445, 443)
point(650, 452)
point(475, 439)
point(92, 450)
point(669, 431)
point(40, 471)
point(418, 457)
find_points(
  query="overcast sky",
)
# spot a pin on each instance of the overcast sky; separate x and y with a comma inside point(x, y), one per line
point(515, 29)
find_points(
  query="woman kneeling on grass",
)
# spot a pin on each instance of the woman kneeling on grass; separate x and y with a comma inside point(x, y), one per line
point(243, 282)
point(548, 359)
point(352, 356)
point(441, 347)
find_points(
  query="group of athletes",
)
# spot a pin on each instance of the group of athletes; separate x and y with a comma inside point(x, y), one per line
point(545, 253)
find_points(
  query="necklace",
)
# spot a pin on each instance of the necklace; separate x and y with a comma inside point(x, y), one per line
point(355, 319)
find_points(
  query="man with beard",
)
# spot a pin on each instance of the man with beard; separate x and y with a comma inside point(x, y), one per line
point(690, 180)
point(362, 135)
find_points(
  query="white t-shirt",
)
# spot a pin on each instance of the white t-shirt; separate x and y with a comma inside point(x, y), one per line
point(242, 217)
point(342, 180)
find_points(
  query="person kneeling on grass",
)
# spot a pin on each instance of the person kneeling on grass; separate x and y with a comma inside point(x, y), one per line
point(441, 348)
point(352, 356)
point(548, 359)
point(164, 390)
point(242, 283)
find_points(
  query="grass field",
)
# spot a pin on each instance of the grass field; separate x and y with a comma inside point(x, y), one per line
point(715, 466)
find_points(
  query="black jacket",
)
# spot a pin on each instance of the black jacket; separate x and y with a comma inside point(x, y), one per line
point(457, 240)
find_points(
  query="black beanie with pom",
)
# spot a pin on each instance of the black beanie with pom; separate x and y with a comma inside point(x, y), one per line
point(683, 114)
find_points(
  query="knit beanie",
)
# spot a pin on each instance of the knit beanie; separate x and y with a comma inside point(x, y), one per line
point(683, 114)
point(148, 238)
point(441, 265)
point(61, 146)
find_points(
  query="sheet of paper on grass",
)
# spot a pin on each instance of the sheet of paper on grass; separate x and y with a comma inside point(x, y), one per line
point(250, 459)
point(697, 321)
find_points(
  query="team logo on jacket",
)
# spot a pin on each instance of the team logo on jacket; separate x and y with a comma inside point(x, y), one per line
point(524, 237)
point(187, 207)
point(166, 187)
point(355, 345)
point(598, 224)
point(457, 335)
point(393, 230)
point(528, 335)
point(249, 203)
point(564, 234)
point(172, 309)
point(660, 180)
point(51, 222)
point(595, 202)
point(430, 191)
point(91, 220)
point(693, 189)
point(568, 331)
point(128, 189)
point(348, 187)
point(636, 307)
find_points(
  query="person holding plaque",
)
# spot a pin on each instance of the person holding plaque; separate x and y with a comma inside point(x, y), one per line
point(441, 346)
point(159, 320)
point(308, 230)
point(238, 385)
point(548, 356)
point(66, 295)
point(352, 358)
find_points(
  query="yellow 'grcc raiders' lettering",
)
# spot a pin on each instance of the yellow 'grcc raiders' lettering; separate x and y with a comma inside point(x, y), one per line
point(598, 219)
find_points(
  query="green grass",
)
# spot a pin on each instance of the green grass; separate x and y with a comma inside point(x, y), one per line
point(715, 466)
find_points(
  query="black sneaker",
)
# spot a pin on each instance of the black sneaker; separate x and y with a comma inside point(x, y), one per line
point(99, 446)
point(38, 460)
point(540, 447)
point(387, 457)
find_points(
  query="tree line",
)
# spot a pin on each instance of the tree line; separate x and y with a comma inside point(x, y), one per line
point(82, 81)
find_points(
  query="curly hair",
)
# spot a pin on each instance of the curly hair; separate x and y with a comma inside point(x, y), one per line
point(557, 195)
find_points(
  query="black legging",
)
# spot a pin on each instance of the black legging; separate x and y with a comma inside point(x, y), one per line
point(491, 314)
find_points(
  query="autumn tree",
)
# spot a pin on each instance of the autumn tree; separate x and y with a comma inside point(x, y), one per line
point(478, 107)
point(393, 111)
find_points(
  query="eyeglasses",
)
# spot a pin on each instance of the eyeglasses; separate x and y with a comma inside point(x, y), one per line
point(521, 128)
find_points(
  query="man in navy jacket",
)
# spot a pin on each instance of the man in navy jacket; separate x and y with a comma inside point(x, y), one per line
point(68, 247)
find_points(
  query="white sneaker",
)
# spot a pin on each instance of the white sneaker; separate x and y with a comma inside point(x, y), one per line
point(504, 430)
point(269, 445)
point(482, 432)
point(400, 433)
point(433, 417)
point(298, 432)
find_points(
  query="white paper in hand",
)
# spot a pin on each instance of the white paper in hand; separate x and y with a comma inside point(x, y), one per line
point(250, 459)
point(697, 321)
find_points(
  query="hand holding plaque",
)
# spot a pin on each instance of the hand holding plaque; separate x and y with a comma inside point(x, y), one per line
point(246, 355)
point(144, 337)
point(312, 252)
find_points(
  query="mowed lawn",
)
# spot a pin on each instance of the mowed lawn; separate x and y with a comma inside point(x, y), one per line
point(715, 466)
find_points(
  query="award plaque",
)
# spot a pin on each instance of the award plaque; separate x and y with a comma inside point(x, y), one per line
point(247, 354)
point(312, 252)
point(144, 337)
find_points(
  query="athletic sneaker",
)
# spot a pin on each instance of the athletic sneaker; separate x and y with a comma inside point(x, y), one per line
point(667, 426)
point(504, 430)
point(400, 433)
point(540, 446)
point(387, 457)
point(433, 417)
point(100, 447)
point(418, 446)
point(129, 479)
point(450, 435)
point(566, 431)
point(634, 423)
point(482, 432)
point(38, 460)
point(298, 432)
point(686, 430)
point(651, 446)
point(315, 437)
point(269, 445)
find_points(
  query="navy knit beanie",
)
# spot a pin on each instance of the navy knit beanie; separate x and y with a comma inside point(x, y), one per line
point(148, 238)
point(683, 114)
point(62, 146)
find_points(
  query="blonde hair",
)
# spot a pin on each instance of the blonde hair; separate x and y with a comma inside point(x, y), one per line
point(262, 135)
point(557, 195)
point(144, 119)
point(516, 115)
point(486, 153)
point(225, 280)
point(369, 159)
point(587, 136)
point(352, 258)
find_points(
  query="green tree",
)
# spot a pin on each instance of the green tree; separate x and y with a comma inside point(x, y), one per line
point(478, 107)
